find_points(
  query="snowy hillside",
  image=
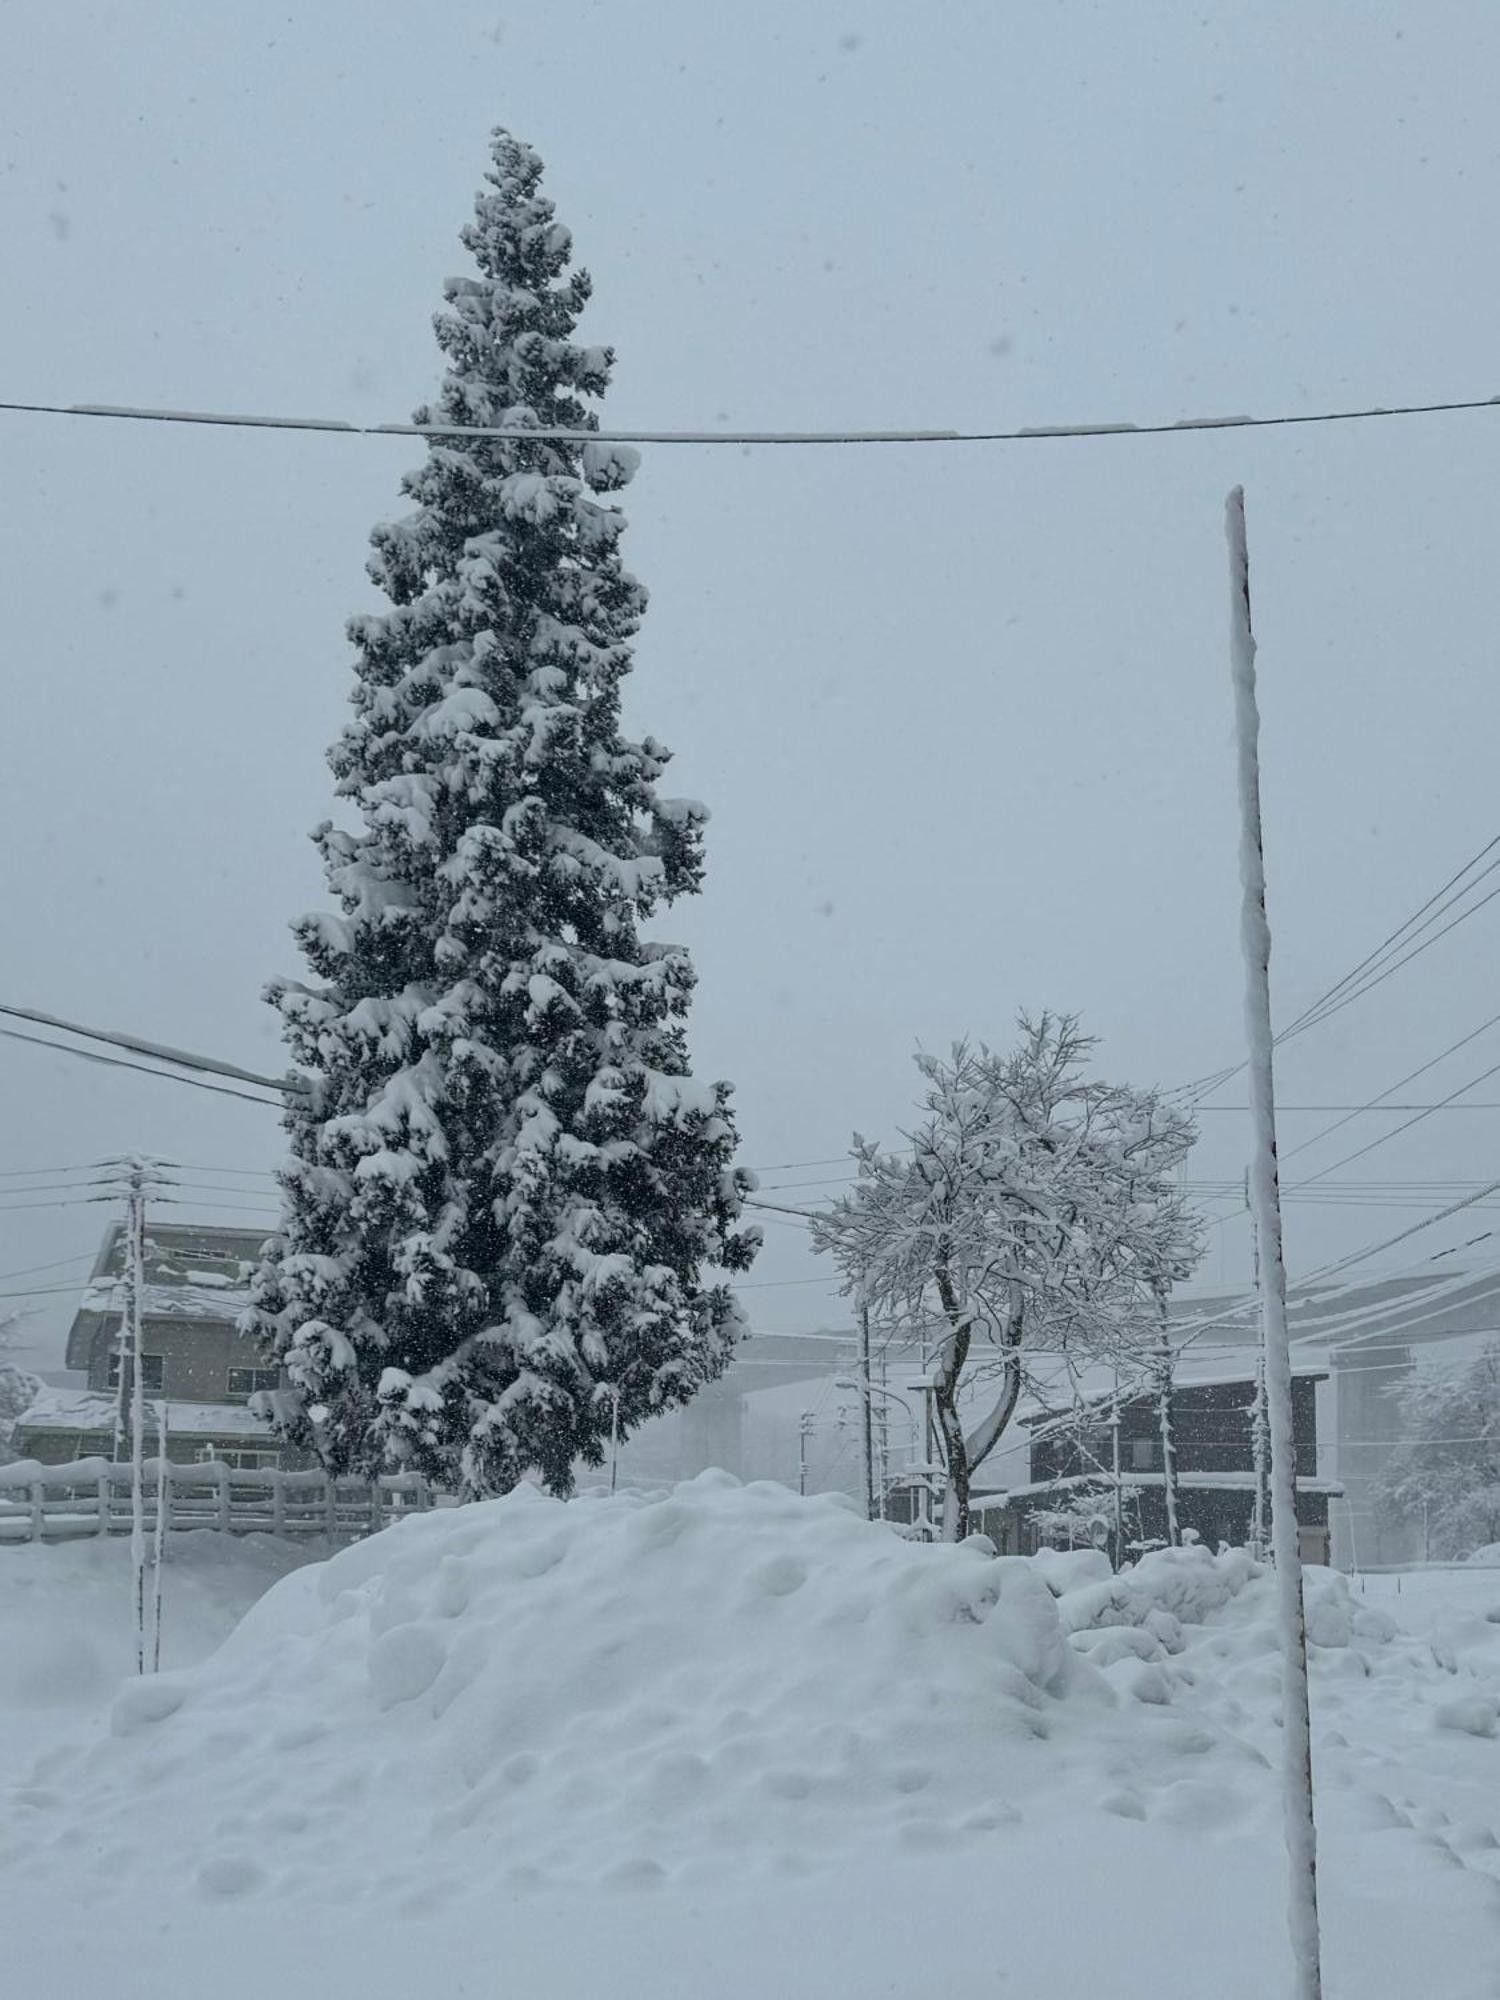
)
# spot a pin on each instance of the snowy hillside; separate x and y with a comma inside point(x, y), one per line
point(531, 1741)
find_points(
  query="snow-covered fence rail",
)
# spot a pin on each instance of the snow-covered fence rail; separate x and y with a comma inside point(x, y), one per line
point(91, 1496)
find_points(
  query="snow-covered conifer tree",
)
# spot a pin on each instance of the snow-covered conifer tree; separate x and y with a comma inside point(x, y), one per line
point(509, 1208)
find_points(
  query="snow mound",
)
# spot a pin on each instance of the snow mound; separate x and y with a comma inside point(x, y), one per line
point(610, 1691)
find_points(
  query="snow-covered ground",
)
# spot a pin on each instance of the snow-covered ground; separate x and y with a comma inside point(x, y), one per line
point(729, 1743)
point(67, 1637)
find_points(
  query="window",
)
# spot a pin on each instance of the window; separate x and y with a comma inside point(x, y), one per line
point(151, 1370)
point(245, 1382)
point(1143, 1454)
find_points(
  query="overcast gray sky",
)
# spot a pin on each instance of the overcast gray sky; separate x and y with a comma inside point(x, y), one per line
point(961, 713)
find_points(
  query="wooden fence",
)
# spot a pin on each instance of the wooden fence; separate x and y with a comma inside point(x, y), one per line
point(91, 1496)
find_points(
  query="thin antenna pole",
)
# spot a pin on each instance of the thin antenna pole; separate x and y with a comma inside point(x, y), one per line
point(1255, 942)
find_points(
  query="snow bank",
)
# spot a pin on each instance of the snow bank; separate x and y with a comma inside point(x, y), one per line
point(804, 1752)
point(67, 1633)
point(613, 1690)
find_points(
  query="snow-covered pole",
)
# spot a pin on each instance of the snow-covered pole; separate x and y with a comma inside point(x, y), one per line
point(120, 1292)
point(614, 1438)
point(1255, 941)
point(135, 1252)
point(867, 1415)
point(1165, 1420)
point(1259, 1435)
point(1259, 1455)
point(1114, 1452)
point(159, 1539)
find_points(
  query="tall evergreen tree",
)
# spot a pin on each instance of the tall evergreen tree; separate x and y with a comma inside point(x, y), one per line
point(509, 1207)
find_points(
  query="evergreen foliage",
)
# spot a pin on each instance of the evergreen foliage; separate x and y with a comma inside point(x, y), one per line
point(509, 1205)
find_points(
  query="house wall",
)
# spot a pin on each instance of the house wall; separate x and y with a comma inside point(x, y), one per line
point(56, 1447)
point(197, 1355)
point(1211, 1426)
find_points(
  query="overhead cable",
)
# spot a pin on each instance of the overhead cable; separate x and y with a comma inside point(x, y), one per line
point(563, 434)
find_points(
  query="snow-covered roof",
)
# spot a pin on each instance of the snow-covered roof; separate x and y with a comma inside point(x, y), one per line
point(1224, 1482)
point(202, 1300)
point(88, 1410)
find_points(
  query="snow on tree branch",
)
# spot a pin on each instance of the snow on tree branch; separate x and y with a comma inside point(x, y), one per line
point(1034, 1207)
point(510, 1209)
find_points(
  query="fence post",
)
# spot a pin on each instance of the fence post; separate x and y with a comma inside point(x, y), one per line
point(278, 1504)
point(101, 1502)
point(38, 1492)
point(331, 1506)
point(377, 1514)
point(224, 1517)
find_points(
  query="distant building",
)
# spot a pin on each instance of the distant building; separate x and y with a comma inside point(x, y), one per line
point(1071, 1491)
point(196, 1365)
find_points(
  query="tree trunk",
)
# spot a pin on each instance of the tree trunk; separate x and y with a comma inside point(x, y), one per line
point(954, 1353)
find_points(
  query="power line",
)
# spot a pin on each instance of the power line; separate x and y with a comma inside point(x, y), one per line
point(156, 1051)
point(1428, 913)
point(57, 1264)
point(1331, 1001)
point(1400, 1084)
point(559, 434)
point(1385, 1137)
point(122, 1062)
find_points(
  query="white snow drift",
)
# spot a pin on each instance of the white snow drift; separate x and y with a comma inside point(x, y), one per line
point(612, 1691)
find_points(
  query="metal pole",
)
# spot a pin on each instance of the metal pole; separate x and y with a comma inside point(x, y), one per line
point(1114, 1438)
point(1255, 940)
point(804, 1425)
point(614, 1440)
point(867, 1398)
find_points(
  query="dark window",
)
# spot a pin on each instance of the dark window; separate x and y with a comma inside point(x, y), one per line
point(151, 1371)
point(1143, 1454)
point(244, 1382)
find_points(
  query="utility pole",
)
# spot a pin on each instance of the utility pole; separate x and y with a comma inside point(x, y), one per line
point(804, 1432)
point(159, 1549)
point(1255, 941)
point(885, 1436)
point(1259, 1430)
point(139, 1178)
point(1168, 1428)
point(135, 1264)
point(867, 1414)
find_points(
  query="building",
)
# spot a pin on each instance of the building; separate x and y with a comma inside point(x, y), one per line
point(197, 1367)
point(1070, 1495)
point(1373, 1334)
